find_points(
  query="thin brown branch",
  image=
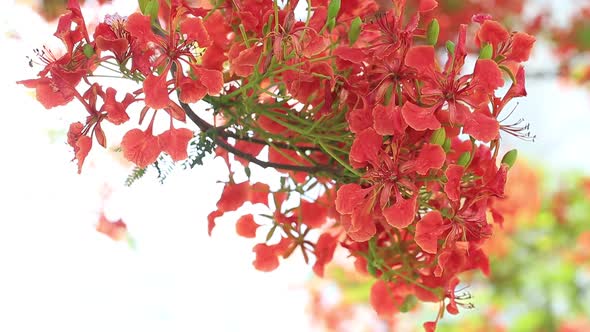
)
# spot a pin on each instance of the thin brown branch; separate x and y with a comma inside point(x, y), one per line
point(219, 139)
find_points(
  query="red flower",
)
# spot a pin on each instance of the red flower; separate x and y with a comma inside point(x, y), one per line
point(112, 36)
point(116, 111)
point(190, 91)
point(522, 45)
point(349, 196)
point(81, 143)
point(446, 87)
point(428, 231)
point(194, 29)
point(402, 213)
point(116, 230)
point(365, 148)
point(388, 120)
point(431, 156)
point(427, 5)
point(487, 75)
point(174, 142)
point(266, 258)
point(482, 127)
point(242, 59)
point(140, 147)
point(246, 227)
point(156, 91)
point(324, 252)
point(492, 32)
point(233, 196)
point(420, 118)
point(48, 93)
point(313, 214)
point(454, 174)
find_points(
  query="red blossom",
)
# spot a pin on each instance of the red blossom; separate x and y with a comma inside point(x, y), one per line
point(48, 93)
point(350, 196)
point(428, 230)
point(194, 29)
point(324, 251)
point(359, 111)
point(402, 213)
point(313, 214)
point(431, 156)
point(246, 226)
point(388, 120)
point(116, 111)
point(365, 148)
point(522, 45)
point(488, 75)
point(454, 174)
point(174, 142)
point(482, 127)
point(140, 147)
point(156, 92)
point(420, 118)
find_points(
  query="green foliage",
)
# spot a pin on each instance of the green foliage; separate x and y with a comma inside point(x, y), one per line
point(135, 175)
point(198, 148)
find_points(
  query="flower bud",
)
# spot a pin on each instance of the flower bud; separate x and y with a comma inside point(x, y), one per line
point(432, 32)
point(88, 50)
point(331, 24)
point(355, 30)
point(333, 9)
point(464, 159)
point(439, 137)
point(510, 158)
point(486, 52)
point(447, 145)
point(450, 47)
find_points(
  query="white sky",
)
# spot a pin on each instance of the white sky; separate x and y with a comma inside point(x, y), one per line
point(58, 273)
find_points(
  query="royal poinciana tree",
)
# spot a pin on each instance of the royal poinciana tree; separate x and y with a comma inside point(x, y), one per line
point(388, 142)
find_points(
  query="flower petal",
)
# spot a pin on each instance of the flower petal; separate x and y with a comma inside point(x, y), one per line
point(402, 213)
point(420, 118)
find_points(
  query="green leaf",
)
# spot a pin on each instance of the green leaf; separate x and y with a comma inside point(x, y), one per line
point(355, 30)
point(486, 52)
point(135, 175)
point(432, 32)
point(142, 5)
point(333, 9)
point(152, 9)
point(510, 158)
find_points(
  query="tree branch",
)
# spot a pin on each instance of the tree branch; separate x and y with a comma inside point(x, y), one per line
point(204, 126)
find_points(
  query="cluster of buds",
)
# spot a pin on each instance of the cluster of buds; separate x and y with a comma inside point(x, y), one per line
point(390, 154)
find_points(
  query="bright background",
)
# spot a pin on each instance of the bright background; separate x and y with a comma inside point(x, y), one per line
point(58, 273)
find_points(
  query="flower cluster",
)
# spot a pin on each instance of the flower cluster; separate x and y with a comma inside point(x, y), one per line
point(389, 152)
point(544, 222)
